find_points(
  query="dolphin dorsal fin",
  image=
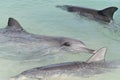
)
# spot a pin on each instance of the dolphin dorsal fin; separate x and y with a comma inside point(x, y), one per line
point(99, 56)
point(14, 25)
point(108, 12)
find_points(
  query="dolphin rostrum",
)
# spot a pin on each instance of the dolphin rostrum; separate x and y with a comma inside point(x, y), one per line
point(105, 15)
point(14, 32)
point(95, 62)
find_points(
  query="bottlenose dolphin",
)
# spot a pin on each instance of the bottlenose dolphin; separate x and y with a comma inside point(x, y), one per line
point(14, 32)
point(105, 15)
point(94, 63)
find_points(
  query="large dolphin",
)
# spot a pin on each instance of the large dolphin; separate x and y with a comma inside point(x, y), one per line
point(14, 32)
point(105, 15)
point(93, 65)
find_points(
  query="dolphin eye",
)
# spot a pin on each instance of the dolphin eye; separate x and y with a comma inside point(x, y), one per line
point(66, 44)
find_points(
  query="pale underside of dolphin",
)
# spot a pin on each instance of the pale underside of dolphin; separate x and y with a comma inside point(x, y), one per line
point(14, 32)
point(93, 64)
point(105, 15)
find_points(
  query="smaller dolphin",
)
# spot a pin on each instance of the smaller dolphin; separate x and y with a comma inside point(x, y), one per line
point(96, 61)
point(105, 15)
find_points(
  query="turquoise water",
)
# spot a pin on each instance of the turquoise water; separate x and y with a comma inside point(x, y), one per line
point(42, 17)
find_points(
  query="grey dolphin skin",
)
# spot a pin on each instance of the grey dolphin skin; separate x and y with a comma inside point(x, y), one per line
point(14, 32)
point(105, 15)
point(96, 61)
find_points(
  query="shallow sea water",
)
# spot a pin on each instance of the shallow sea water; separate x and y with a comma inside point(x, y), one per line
point(42, 17)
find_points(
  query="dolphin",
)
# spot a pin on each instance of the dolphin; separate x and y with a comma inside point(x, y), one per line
point(15, 33)
point(94, 63)
point(104, 15)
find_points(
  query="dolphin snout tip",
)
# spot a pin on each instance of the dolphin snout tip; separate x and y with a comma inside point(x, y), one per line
point(19, 77)
point(12, 78)
point(58, 6)
point(61, 6)
point(64, 7)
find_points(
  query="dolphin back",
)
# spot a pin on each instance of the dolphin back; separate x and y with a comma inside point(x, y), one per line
point(69, 8)
point(108, 12)
point(99, 56)
point(14, 25)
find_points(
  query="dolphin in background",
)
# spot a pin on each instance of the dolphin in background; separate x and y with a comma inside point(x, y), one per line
point(105, 15)
point(94, 65)
point(15, 33)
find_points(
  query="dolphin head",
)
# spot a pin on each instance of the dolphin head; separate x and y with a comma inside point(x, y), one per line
point(74, 45)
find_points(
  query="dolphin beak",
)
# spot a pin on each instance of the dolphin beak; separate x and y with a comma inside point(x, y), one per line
point(12, 79)
point(58, 6)
point(62, 7)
